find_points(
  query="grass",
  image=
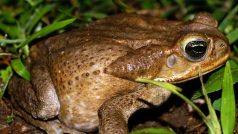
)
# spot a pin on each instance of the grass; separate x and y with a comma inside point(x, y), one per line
point(20, 27)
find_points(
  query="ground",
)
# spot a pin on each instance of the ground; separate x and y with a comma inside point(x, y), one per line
point(175, 116)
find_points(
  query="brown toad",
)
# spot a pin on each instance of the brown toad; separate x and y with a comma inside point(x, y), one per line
point(78, 72)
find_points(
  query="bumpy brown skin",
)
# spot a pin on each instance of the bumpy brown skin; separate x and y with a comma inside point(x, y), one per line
point(76, 73)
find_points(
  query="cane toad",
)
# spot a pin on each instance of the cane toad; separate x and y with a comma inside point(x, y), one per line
point(81, 74)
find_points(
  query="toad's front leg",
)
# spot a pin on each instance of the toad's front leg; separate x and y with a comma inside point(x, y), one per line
point(114, 113)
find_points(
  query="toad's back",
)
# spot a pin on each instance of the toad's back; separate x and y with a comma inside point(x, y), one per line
point(131, 30)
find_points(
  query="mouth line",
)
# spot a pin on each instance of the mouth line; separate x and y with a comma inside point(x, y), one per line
point(218, 64)
point(196, 76)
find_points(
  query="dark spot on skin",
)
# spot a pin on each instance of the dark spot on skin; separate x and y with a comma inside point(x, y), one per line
point(84, 49)
point(91, 63)
point(107, 59)
point(70, 82)
point(71, 72)
point(113, 55)
point(141, 72)
point(95, 89)
point(96, 72)
point(100, 50)
point(105, 70)
point(78, 66)
point(77, 78)
point(132, 96)
point(85, 75)
point(91, 58)
point(83, 61)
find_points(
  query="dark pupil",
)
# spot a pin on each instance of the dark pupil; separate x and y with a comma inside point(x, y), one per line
point(196, 49)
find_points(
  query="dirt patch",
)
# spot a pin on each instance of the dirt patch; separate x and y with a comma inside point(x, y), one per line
point(12, 124)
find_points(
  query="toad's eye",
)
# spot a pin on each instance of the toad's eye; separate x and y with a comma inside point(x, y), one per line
point(195, 50)
point(194, 46)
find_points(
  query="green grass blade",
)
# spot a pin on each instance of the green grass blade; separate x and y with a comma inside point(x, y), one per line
point(233, 36)
point(34, 2)
point(5, 76)
point(12, 31)
point(182, 5)
point(235, 49)
point(39, 13)
point(20, 69)
point(212, 120)
point(153, 131)
point(218, 14)
point(11, 41)
point(124, 6)
point(228, 102)
point(228, 18)
point(46, 30)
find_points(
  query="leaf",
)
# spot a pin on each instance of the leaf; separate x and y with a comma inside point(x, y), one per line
point(228, 18)
point(153, 131)
point(228, 106)
point(235, 49)
point(12, 30)
point(182, 5)
point(10, 118)
point(217, 104)
point(124, 7)
point(34, 2)
point(95, 15)
point(218, 14)
point(164, 85)
point(5, 76)
point(212, 120)
point(7, 16)
point(233, 36)
point(38, 14)
point(214, 82)
point(46, 30)
point(20, 69)
point(11, 41)
point(147, 4)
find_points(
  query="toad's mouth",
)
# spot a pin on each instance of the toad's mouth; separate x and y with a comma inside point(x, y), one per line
point(196, 76)
point(195, 72)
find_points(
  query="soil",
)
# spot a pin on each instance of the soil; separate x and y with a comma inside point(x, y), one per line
point(12, 124)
